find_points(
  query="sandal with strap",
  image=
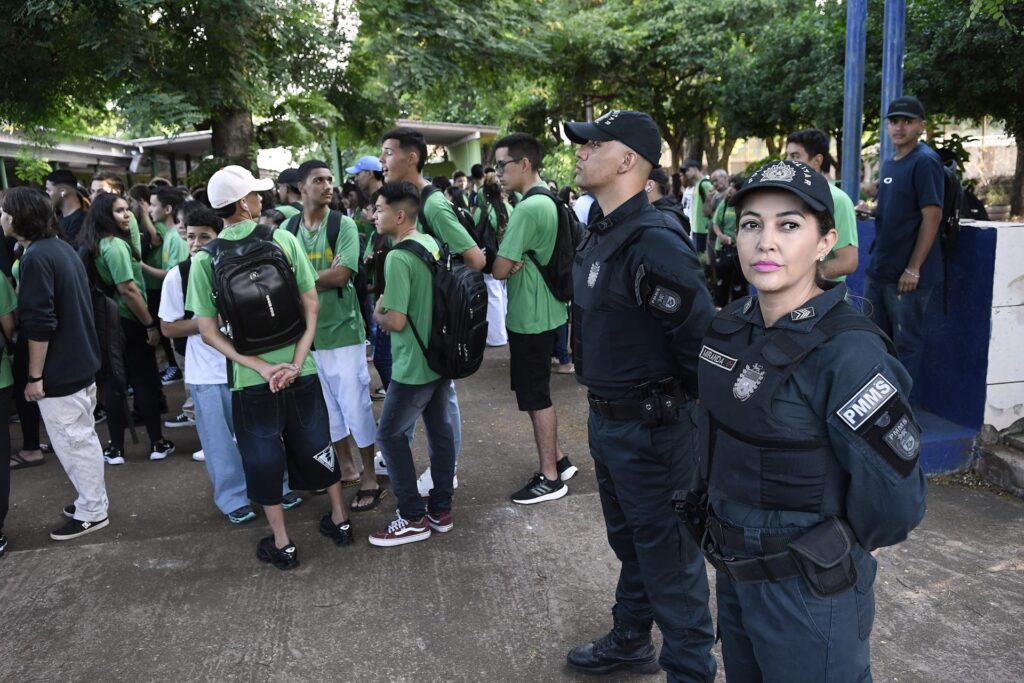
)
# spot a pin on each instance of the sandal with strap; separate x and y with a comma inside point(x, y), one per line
point(374, 495)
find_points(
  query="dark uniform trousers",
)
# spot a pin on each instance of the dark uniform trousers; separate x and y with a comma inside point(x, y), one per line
point(663, 576)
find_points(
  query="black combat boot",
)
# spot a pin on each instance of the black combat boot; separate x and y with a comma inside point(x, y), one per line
point(624, 648)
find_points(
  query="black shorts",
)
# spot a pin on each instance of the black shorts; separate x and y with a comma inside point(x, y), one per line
point(287, 431)
point(531, 368)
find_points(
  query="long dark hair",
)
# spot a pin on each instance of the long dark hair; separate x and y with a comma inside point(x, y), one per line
point(493, 196)
point(100, 223)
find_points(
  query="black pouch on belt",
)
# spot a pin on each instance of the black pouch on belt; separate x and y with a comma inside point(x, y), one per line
point(692, 509)
point(823, 556)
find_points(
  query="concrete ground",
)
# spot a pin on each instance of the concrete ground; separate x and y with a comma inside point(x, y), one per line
point(171, 591)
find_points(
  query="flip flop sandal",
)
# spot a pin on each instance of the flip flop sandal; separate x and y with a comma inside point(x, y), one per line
point(373, 494)
point(20, 463)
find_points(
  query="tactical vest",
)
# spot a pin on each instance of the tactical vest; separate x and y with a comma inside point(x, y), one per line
point(617, 343)
point(754, 458)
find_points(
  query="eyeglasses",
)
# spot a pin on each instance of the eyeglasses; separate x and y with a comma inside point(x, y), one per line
point(499, 167)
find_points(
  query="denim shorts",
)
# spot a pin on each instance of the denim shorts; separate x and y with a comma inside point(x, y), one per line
point(289, 429)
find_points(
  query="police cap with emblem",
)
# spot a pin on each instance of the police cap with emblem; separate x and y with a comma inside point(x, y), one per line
point(791, 176)
point(634, 129)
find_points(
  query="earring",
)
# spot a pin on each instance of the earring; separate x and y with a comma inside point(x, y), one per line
point(822, 257)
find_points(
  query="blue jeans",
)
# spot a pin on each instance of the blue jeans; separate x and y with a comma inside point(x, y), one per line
point(454, 417)
point(284, 431)
point(562, 345)
point(217, 437)
point(901, 316)
point(382, 355)
point(403, 404)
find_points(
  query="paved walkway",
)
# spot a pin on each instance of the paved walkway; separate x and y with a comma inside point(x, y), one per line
point(171, 591)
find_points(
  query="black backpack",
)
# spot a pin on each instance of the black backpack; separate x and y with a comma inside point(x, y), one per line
point(486, 239)
point(458, 334)
point(949, 225)
point(180, 344)
point(256, 292)
point(557, 273)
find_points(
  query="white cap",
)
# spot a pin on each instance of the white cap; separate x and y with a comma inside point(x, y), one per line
point(231, 183)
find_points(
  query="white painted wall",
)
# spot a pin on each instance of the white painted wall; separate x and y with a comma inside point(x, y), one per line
point(1004, 401)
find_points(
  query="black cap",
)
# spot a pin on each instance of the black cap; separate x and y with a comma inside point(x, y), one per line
point(289, 176)
point(63, 176)
point(658, 175)
point(908, 106)
point(793, 176)
point(636, 130)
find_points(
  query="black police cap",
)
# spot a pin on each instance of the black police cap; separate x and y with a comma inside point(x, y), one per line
point(634, 129)
point(792, 176)
point(289, 176)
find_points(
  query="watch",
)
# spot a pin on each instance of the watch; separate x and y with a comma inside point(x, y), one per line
point(33, 380)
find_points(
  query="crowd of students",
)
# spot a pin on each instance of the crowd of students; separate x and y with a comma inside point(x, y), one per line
point(300, 416)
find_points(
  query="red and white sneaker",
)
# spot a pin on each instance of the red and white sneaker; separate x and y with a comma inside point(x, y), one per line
point(402, 531)
point(441, 522)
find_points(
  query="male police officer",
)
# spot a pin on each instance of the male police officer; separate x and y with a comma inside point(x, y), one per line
point(641, 308)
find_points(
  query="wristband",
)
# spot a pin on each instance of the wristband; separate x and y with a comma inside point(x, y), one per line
point(912, 273)
point(33, 380)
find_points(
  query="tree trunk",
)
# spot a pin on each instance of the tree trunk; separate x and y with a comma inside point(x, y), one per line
point(727, 148)
point(695, 149)
point(1017, 187)
point(233, 137)
point(772, 145)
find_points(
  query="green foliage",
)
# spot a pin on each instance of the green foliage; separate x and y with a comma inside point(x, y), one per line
point(996, 9)
point(749, 169)
point(31, 168)
point(559, 165)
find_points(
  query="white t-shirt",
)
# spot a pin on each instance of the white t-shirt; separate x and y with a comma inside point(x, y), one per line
point(582, 208)
point(688, 202)
point(203, 363)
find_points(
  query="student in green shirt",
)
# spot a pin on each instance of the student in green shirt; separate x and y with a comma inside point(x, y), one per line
point(338, 346)
point(811, 147)
point(106, 233)
point(702, 192)
point(406, 311)
point(288, 193)
point(729, 281)
point(402, 156)
point(281, 422)
point(164, 203)
point(534, 314)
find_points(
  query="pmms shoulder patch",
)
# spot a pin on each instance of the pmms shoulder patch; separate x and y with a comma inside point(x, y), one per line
point(866, 401)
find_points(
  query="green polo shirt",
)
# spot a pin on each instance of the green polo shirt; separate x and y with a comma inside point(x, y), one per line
point(698, 221)
point(410, 290)
point(115, 265)
point(725, 219)
point(444, 225)
point(846, 224)
point(533, 226)
point(200, 298)
point(339, 323)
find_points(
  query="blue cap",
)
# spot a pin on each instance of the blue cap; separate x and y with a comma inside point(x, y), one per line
point(366, 163)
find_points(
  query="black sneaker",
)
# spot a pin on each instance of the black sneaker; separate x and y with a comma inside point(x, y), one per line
point(76, 527)
point(3, 544)
point(171, 375)
point(69, 511)
point(282, 558)
point(291, 500)
point(242, 515)
point(182, 420)
point(539, 490)
point(566, 470)
point(99, 415)
point(113, 455)
point(341, 534)
point(161, 449)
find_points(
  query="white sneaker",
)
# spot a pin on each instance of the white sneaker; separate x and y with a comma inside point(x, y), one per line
point(426, 482)
point(199, 456)
point(379, 466)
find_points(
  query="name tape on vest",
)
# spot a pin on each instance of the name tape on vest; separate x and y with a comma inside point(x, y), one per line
point(717, 358)
point(866, 402)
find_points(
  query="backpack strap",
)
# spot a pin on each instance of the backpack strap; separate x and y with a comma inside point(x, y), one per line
point(545, 192)
point(424, 196)
point(292, 225)
point(185, 267)
point(263, 232)
point(423, 254)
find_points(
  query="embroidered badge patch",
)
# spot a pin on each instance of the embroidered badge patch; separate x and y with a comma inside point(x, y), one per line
point(802, 314)
point(904, 439)
point(779, 172)
point(595, 270)
point(665, 300)
point(326, 457)
point(717, 358)
point(748, 381)
point(866, 401)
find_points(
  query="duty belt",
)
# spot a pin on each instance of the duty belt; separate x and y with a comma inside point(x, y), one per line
point(651, 403)
point(777, 565)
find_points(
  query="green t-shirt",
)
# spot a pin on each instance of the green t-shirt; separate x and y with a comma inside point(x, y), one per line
point(410, 290)
point(698, 220)
point(846, 224)
point(200, 298)
point(492, 215)
point(339, 323)
point(115, 265)
point(287, 210)
point(533, 226)
point(8, 303)
point(444, 225)
point(173, 250)
point(136, 236)
point(725, 219)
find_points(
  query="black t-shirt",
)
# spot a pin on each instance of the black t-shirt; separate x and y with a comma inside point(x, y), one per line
point(71, 224)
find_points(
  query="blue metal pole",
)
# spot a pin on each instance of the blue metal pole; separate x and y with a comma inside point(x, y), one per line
point(892, 64)
point(853, 95)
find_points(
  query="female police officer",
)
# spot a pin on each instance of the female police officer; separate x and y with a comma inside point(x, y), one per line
point(809, 448)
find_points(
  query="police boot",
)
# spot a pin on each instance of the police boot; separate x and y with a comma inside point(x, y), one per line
point(624, 648)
